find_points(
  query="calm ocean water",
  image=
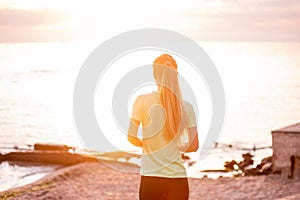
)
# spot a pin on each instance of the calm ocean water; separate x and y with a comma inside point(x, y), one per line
point(261, 80)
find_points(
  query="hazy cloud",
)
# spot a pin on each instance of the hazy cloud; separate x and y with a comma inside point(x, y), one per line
point(245, 20)
point(18, 25)
point(13, 17)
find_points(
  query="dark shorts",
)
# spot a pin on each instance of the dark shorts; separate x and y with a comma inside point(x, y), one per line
point(156, 188)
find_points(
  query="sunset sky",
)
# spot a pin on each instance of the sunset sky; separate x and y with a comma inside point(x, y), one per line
point(213, 20)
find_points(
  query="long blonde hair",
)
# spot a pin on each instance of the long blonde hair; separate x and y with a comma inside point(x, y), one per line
point(166, 76)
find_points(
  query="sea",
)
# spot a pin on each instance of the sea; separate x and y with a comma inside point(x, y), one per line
point(261, 82)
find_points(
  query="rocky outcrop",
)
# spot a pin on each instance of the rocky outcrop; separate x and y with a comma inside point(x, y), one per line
point(246, 168)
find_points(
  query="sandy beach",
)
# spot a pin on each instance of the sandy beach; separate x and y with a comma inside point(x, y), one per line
point(93, 180)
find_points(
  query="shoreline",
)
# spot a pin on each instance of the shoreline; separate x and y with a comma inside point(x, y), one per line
point(19, 173)
point(105, 180)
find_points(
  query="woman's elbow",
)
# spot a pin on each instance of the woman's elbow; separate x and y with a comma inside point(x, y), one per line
point(196, 147)
point(193, 138)
point(135, 141)
point(130, 139)
point(193, 148)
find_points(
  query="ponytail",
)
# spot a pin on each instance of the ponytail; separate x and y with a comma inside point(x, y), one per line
point(166, 76)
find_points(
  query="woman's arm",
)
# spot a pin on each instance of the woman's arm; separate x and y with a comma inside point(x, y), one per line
point(132, 133)
point(193, 143)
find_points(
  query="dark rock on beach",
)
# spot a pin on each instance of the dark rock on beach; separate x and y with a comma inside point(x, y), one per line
point(2, 157)
point(230, 165)
point(245, 168)
point(246, 162)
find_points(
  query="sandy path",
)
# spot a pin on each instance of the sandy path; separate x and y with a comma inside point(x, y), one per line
point(97, 181)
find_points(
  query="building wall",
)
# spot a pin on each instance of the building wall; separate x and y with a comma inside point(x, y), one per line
point(284, 146)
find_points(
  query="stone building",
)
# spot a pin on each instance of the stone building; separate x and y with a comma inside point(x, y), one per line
point(286, 150)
